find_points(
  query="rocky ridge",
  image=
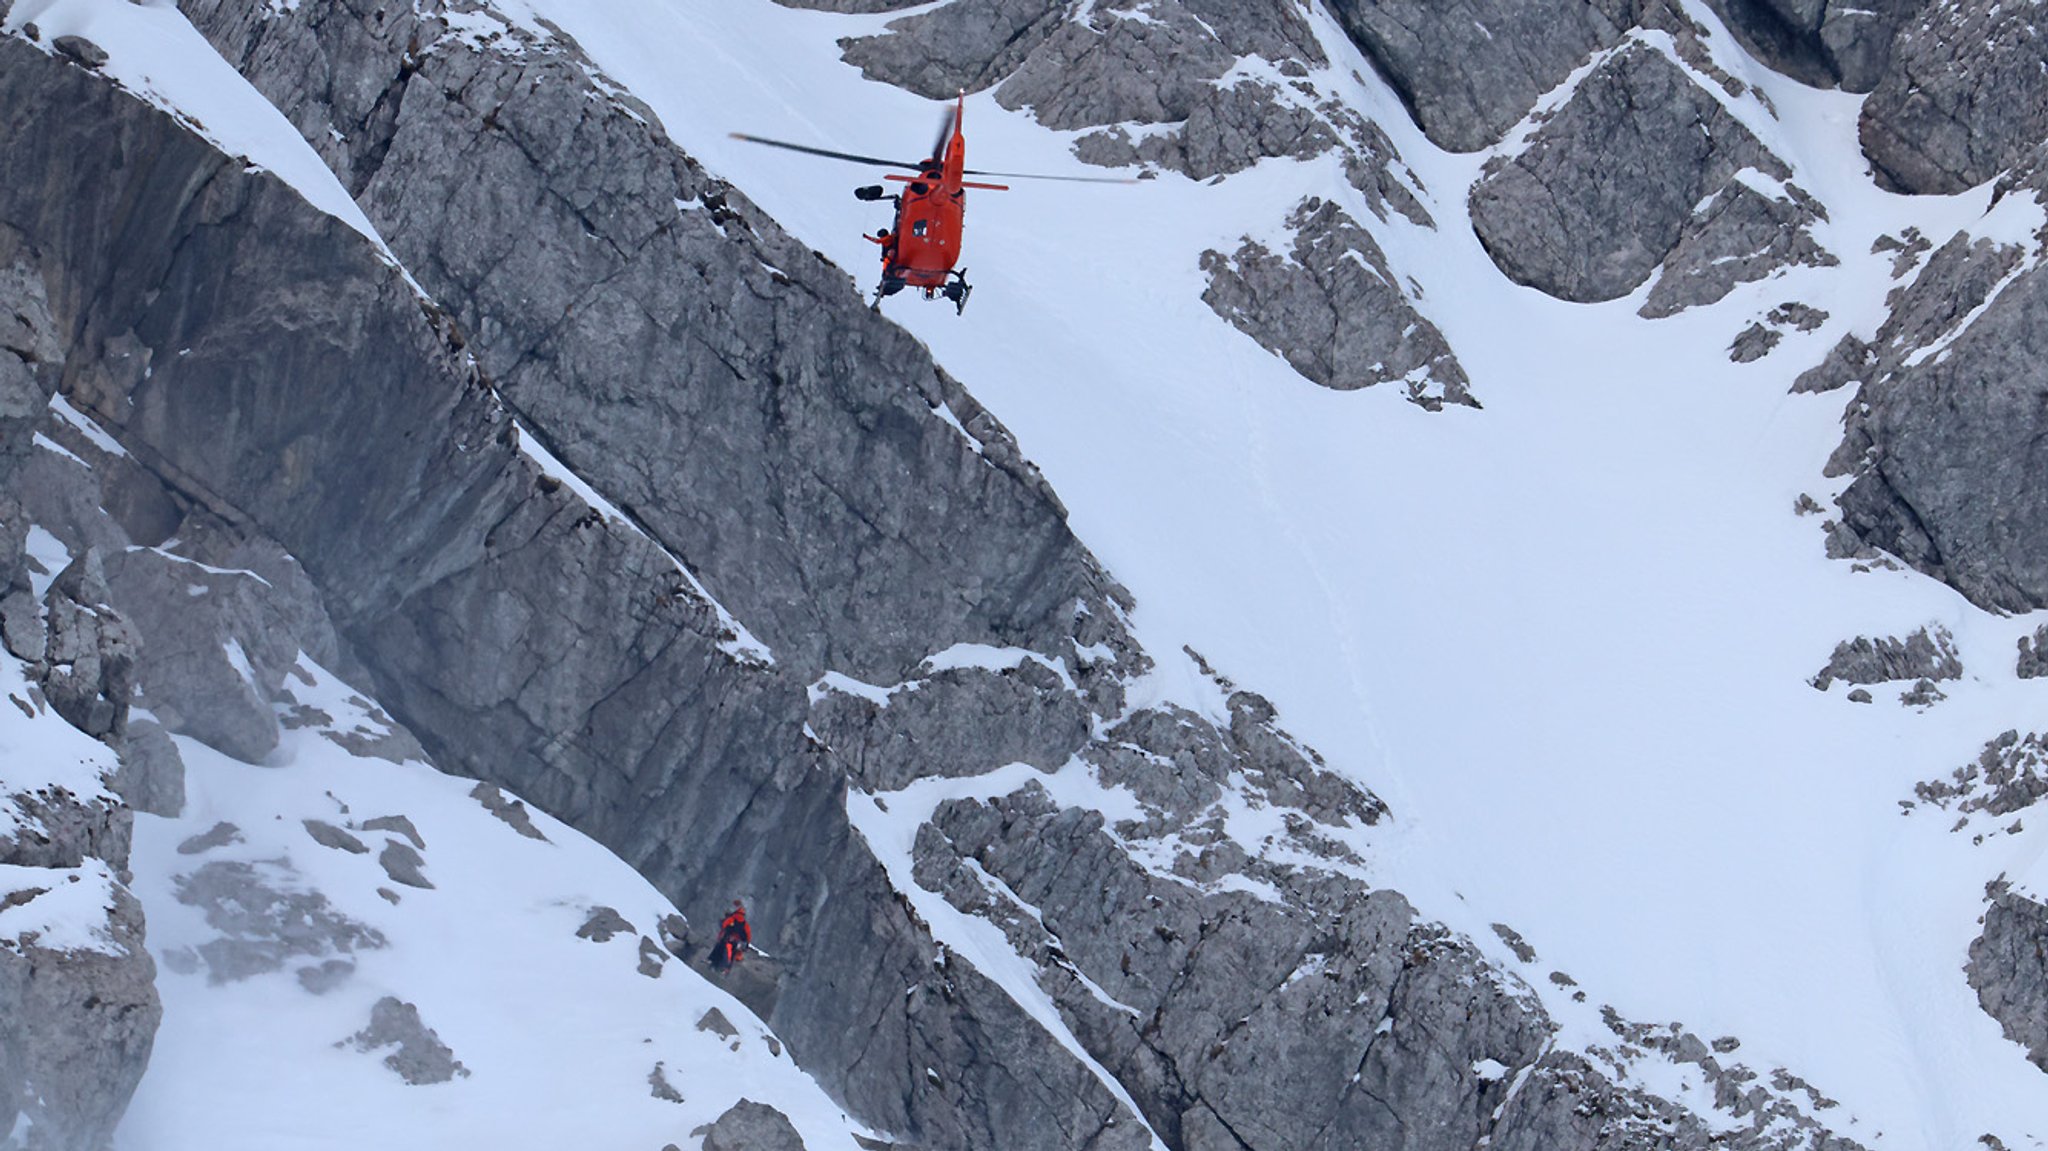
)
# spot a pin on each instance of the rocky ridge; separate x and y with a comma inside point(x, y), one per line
point(562, 649)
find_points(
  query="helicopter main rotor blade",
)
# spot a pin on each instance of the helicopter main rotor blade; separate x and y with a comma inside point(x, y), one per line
point(1043, 176)
point(825, 152)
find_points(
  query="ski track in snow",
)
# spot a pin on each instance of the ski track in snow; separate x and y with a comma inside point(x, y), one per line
point(1566, 638)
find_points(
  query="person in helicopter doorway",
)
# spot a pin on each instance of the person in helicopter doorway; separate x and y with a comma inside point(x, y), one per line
point(733, 937)
point(891, 282)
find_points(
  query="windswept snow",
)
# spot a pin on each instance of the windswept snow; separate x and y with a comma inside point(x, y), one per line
point(1567, 638)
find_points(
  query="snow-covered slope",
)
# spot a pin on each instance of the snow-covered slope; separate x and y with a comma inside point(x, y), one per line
point(295, 905)
point(1567, 637)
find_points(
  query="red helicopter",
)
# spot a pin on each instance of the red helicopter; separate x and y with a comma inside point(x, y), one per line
point(921, 250)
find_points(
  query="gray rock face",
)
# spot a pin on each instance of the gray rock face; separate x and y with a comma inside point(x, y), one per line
point(565, 208)
point(2009, 970)
point(1334, 309)
point(1824, 42)
point(1945, 440)
point(80, 49)
point(755, 424)
point(89, 658)
point(957, 722)
point(751, 1126)
point(1158, 63)
point(1965, 97)
point(1470, 70)
point(966, 45)
point(1739, 236)
point(1555, 216)
point(420, 1057)
point(216, 646)
point(76, 1025)
point(152, 775)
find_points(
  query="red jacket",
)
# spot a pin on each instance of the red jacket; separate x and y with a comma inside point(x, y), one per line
point(736, 925)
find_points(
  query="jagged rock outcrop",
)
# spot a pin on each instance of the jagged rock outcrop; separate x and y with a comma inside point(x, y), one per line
point(1945, 438)
point(2033, 658)
point(2009, 970)
point(1334, 309)
point(1964, 98)
point(1925, 654)
point(952, 723)
point(2009, 775)
point(1703, 199)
